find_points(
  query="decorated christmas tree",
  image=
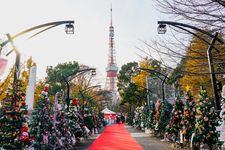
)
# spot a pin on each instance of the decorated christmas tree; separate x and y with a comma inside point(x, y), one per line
point(139, 118)
point(65, 139)
point(146, 116)
point(165, 114)
point(206, 122)
point(174, 126)
point(88, 119)
point(13, 119)
point(75, 120)
point(157, 114)
point(42, 126)
point(152, 117)
point(221, 127)
point(188, 119)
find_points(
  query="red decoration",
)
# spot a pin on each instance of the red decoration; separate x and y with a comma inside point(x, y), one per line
point(157, 115)
point(23, 103)
point(75, 102)
point(46, 88)
point(24, 137)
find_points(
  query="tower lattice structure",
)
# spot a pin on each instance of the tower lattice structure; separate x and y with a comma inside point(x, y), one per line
point(111, 68)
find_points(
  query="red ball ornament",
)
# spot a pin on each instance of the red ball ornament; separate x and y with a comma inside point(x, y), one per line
point(23, 103)
point(46, 88)
point(75, 102)
point(24, 137)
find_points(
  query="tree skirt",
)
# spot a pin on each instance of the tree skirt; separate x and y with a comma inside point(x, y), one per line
point(115, 137)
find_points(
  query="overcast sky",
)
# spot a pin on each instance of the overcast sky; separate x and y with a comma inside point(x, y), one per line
point(132, 20)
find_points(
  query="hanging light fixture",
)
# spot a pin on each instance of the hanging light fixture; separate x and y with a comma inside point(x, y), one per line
point(93, 72)
point(69, 29)
point(162, 29)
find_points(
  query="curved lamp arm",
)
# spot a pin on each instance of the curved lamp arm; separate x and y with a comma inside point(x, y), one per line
point(188, 26)
point(51, 24)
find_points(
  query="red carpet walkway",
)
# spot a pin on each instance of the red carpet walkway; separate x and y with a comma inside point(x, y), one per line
point(115, 137)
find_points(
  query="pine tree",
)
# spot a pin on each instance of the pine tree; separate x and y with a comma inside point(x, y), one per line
point(206, 122)
point(174, 125)
point(13, 119)
point(41, 126)
point(188, 119)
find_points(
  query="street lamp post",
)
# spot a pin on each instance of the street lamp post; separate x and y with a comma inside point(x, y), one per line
point(66, 80)
point(81, 92)
point(182, 26)
point(92, 97)
point(162, 79)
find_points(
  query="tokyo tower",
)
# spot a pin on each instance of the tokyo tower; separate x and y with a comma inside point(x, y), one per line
point(111, 68)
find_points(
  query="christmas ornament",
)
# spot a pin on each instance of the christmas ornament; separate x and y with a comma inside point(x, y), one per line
point(75, 102)
point(24, 137)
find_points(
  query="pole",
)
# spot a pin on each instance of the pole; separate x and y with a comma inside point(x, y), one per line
point(212, 72)
point(17, 63)
point(82, 103)
point(148, 98)
point(16, 69)
point(68, 93)
point(163, 90)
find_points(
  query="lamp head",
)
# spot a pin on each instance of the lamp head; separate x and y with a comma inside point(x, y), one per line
point(93, 72)
point(161, 29)
point(69, 29)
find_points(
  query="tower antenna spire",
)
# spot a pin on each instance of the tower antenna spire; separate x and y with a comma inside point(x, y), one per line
point(111, 68)
point(111, 15)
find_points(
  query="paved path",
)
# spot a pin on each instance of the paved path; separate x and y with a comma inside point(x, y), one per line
point(149, 142)
point(85, 143)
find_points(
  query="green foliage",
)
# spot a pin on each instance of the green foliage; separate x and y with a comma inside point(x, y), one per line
point(165, 115)
point(125, 87)
point(206, 122)
point(55, 76)
point(125, 75)
point(152, 117)
point(133, 96)
point(88, 118)
point(130, 118)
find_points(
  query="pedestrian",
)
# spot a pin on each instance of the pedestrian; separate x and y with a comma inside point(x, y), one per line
point(122, 118)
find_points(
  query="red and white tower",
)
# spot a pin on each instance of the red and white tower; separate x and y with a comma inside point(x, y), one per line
point(111, 68)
